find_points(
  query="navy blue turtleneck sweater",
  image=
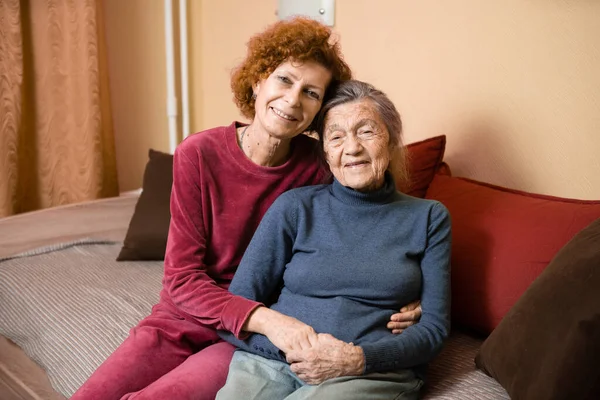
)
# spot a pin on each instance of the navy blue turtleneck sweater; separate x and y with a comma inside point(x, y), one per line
point(344, 262)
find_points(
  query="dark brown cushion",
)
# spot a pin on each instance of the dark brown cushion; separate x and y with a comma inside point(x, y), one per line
point(547, 346)
point(146, 237)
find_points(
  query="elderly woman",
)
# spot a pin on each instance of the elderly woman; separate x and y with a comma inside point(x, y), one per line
point(224, 179)
point(341, 257)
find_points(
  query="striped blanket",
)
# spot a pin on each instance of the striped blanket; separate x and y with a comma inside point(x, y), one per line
point(68, 306)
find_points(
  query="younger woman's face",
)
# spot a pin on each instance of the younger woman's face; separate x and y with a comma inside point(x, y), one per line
point(289, 98)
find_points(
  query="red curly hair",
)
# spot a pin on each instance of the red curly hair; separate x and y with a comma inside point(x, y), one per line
point(299, 39)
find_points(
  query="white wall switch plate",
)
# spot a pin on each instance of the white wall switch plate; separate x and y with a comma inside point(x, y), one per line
point(321, 10)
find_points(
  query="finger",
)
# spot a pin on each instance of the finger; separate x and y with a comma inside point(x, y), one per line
point(311, 380)
point(418, 312)
point(326, 336)
point(400, 325)
point(330, 340)
point(297, 368)
point(300, 342)
point(404, 316)
point(408, 307)
point(303, 372)
point(297, 357)
point(304, 343)
point(293, 357)
point(397, 331)
point(310, 339)
point(313, 339)
point(411, 306)
point(306, 378)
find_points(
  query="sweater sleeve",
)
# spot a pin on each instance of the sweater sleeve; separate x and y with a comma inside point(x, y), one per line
point(186, 281)
point(260, 274)
point(420, 343)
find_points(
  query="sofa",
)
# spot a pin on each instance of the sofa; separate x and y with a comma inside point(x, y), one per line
point(525, 279)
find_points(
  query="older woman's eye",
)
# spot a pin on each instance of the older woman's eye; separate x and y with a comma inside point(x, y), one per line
point(284, 79)
point(313, 94)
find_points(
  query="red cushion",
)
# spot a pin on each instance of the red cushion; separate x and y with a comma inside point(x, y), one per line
point(502, 239)
point(424, 159)
point(444, 169)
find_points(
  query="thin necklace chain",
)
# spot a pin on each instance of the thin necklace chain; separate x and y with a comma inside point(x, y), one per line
point(242, 137)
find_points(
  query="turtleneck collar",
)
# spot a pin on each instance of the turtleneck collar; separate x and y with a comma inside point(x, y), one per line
point(383, 195)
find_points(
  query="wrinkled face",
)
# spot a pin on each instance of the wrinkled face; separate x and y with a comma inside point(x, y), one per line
point(357, 145)
point(288, 100)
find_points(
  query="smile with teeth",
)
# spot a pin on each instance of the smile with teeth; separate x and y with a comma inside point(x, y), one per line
point(282, 114)
point(356, 164)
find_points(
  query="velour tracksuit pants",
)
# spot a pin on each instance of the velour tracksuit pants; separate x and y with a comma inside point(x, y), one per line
point(166, 356)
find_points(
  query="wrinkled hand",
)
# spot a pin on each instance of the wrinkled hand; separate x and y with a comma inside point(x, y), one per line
point(290, 334)
point(328, 358)
point(408, 315)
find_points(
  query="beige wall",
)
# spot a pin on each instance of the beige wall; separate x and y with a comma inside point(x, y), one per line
point(515, 85)
point(135, 32)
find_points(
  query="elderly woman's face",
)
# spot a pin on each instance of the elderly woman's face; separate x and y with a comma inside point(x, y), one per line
point(288, 100)
point(356, 144)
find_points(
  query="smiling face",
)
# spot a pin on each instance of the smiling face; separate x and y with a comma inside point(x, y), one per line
point(288, 100)
point(357, 145)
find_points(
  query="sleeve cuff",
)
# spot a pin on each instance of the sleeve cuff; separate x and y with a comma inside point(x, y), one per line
point(377, 359)
point(235, 314)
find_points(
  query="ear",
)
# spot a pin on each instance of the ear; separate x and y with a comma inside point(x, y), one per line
point(392, 144)
point(256, 88)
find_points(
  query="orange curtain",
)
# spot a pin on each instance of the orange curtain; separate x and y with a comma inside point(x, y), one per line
point(56, 138)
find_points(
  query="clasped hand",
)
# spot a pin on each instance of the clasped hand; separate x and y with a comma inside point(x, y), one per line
point(327, 358)
point(314, 357)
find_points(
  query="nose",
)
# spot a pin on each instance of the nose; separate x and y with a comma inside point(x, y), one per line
point(292, 96)
point(352, 145)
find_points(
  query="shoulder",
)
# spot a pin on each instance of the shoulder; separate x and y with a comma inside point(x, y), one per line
point(295, 198)
point(421, 204)
point(209, 140)
point(301, 194)
point(432, 210)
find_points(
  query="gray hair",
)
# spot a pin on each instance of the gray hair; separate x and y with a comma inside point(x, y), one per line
point(354, 91)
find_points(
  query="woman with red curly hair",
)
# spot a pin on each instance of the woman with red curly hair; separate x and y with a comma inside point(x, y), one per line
point(224, 180)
